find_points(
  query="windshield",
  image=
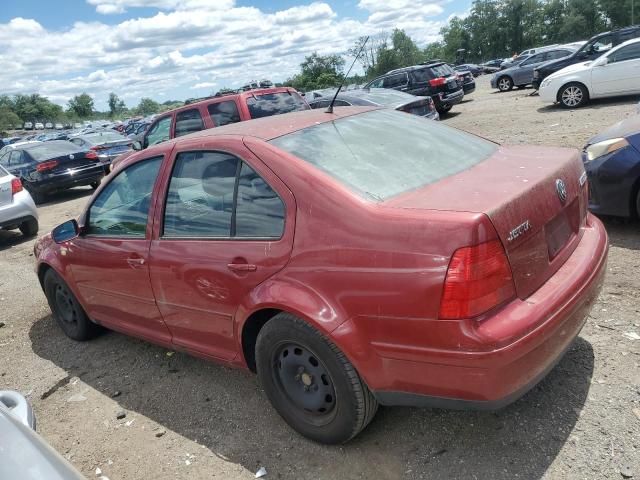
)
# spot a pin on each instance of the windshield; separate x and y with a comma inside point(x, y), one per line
point(275, 104)
point(47, 150)
point(382, 153)
point(98, 138)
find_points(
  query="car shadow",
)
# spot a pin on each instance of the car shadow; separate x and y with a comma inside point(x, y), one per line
point(226, 411)
point(62, 196)
point(594, 104)
point(623, 232)
point(449, 114)
point(12, 238)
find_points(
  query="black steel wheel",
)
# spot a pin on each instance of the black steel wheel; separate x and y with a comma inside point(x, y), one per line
point(29, 228)
point(310, 382)
point(66, 310)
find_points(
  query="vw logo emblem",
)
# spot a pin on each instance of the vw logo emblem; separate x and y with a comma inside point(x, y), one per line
point(561, 188)
point(71, 157)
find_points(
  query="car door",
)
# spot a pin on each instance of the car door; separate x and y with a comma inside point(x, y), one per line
point(620, 75)
point(523, 73)
point(227, 227)
point(109, 261)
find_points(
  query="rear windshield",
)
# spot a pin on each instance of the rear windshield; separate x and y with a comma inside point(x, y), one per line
point(275, 104)
point(383, 153)
point(103, 137)
point(429, 73)
point(53, 149)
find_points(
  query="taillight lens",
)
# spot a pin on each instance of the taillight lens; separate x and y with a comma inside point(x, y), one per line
point(478, 279)
point(437, 82)
point(16, 186)
point(91, 155)
point(46, 166)
point(98, 147)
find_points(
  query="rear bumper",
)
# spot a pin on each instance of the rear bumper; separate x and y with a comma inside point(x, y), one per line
point(19, 210)
point(70, 179)
point(523, 342)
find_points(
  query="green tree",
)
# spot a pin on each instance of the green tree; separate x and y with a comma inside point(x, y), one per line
point(318, 71)
point(81, 105)
point(116, 106)
point(8, 119)
point(619, 12)
point(147, 106)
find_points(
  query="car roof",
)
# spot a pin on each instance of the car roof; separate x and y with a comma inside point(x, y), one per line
point(268, 128)
point(415, 67)
point(223, 98)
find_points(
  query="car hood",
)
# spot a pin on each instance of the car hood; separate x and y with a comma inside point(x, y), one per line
point(623, 128)
point(576, 67)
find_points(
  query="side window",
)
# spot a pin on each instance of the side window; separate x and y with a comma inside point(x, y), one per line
point(340, 103)
point(377, 83)
point(188, 121)
point(16, 158)
point(223, 113)
point(630, 52)
point(200, 197)
point(259, 211)
point(320, 104)
point(601, 45)
point(204, 189)
point(4, 159)
point(122, 207)
point(533, 59)
point(159, 132)
point(77, 141)
point(395, 81)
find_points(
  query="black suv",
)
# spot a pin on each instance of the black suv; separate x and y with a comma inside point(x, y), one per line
point(596, 46)
point(434, 79)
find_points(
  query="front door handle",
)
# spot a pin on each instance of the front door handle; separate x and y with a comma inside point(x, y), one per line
point(242, 267)
point(135, 261)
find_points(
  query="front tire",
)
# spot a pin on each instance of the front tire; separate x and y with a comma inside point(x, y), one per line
point(29, 228)
point(573, 95)
point(505, 84)
point(66, 310)
point(310, 382)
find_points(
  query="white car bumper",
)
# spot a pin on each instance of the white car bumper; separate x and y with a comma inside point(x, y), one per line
point(548, 93)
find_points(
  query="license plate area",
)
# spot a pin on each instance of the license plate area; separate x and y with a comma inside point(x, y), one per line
point(562, 228)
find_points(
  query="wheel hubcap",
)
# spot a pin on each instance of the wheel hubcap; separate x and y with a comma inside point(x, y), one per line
point(504, 84)
point(64, 302)
point(572, 96)
point(304, 379)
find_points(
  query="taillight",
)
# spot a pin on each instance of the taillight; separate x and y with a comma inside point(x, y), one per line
point(96, 148)
point(91, 155)
point(48, 165)
point(478, 279)
point(16, 186)
point(437, 82)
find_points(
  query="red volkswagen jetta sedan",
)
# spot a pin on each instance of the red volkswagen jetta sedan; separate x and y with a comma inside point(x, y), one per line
point(351, 259)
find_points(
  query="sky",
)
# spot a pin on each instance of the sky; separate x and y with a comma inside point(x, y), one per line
point(178, 49)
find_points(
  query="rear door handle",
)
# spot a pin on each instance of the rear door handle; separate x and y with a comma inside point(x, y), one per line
point(242, 267)
point(135, 261)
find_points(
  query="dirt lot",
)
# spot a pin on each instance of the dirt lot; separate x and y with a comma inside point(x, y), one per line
point(582, 421)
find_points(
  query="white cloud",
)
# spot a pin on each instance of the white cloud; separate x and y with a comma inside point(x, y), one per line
point(189, 45)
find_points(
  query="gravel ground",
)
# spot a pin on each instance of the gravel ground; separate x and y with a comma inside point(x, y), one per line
point(186, 418)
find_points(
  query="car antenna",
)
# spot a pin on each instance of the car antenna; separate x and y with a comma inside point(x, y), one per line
point(344, 77)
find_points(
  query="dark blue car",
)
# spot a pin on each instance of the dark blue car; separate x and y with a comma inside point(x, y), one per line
point(612, 162)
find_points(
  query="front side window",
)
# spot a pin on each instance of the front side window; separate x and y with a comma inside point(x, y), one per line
point(223, 113)
point(275, 104)
point(159, 132)
point(217, 195)
point(376, 83)
point(122, 208)
point(630, 52)
point(395, 81)
point(188, 121)
point(601, 45)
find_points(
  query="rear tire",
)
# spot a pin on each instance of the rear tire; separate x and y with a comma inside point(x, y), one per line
point(94, 185)
point(573, 95)
point(310, 382)
point(29, 228)
point(66, 310)
point(505, 84)
point(445, 108)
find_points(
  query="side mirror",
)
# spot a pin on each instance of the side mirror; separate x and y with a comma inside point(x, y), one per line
point(136, 145)
point(66, 231)
point(602, 62)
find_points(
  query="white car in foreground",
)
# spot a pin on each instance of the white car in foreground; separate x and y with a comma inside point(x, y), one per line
point(615, 73)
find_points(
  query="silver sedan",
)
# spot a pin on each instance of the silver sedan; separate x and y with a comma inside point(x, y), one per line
point(17, 209)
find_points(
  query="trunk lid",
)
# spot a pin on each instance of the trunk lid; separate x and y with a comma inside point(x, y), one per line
point(518, 189)
point(73, 161)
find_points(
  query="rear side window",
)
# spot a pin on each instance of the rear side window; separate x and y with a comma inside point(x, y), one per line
point(188, 121)
point(217, 195)
point(408, 152)
point(223, 113)
point(630, 52)
point(275, 104)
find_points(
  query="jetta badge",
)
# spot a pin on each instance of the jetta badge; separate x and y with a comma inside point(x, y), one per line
point(561, 188)
point(519, 230)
